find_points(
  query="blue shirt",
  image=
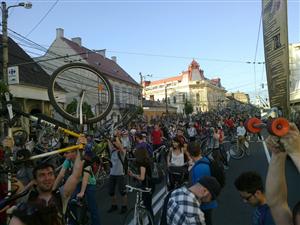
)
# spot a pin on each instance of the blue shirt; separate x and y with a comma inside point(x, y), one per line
point(262, 216)
point(200, 170)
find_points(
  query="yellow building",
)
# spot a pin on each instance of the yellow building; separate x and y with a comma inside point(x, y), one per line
point(190, 85)
point(240, 96)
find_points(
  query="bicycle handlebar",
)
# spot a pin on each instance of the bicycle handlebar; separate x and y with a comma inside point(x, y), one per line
point(131, 189)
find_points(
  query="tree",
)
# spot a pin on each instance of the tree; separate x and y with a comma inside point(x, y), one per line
point(72, 107)
point(139, 110)
point(188, 107)
point(86, 108)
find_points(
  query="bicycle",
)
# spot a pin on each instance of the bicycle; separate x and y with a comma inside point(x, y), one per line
point(239, 150)
point(138, 215)
point(102, 171)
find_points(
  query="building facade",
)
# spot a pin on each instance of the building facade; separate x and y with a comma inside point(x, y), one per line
point(63, 51)
point(28, 86)
point(190, 85)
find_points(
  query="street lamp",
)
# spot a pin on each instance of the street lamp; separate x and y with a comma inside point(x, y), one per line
point(4, 9)
point(143, 77)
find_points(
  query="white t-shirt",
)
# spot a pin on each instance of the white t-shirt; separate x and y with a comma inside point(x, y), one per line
point(241, 131)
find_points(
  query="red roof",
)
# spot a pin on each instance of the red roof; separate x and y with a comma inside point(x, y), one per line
point(170, 79)
point(104, 65)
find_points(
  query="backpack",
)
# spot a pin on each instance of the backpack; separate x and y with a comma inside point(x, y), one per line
point(216, 170)
point(163, 220)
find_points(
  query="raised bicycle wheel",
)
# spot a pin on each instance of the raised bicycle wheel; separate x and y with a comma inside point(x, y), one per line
point(142, 218)
point(76, 82)
point(278, 127)
point(235, 152)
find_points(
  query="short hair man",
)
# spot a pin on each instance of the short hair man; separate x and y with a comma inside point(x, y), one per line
point(251, 189)
point(183, 206)
point(44, 197)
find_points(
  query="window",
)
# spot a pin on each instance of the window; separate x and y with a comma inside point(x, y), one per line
point(117, 94)
point(124, 95)
point(174, 99)
point(197, 97)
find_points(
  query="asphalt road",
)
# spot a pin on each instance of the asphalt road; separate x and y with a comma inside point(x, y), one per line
point(232, 210)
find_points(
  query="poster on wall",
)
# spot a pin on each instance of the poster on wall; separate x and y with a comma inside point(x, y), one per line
point(275, 32)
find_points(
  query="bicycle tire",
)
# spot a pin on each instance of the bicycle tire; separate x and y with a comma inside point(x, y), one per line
point(80, 66)
point(131, 219)
point(236, 153)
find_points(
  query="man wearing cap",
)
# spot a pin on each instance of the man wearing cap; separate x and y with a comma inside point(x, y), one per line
point(183, 206)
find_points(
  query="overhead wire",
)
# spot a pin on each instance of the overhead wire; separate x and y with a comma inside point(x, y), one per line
point(42, 19)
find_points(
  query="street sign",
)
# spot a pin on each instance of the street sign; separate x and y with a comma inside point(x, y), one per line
point(13, 75)
point(276, 53)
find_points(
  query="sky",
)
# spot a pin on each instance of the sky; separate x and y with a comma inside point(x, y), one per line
point(160, 37)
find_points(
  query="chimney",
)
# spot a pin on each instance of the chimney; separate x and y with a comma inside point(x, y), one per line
point(59, 33)
point(77, 40)
point(114, 58)
point(101, 52)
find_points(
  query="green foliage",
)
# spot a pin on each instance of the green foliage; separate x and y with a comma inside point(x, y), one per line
point(72, 107)
point(3, 87)
point(140, 110)
point(188, 107)
point(86, 108)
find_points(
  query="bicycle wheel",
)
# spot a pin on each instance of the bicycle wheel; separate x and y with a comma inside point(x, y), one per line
point(78, 82)
point(235, 152)
point(142, 217)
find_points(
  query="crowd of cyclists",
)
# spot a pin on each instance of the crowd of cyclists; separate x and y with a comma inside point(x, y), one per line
point(192, 149)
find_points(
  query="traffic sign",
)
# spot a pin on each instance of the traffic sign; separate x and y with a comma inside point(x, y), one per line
point(13, 75)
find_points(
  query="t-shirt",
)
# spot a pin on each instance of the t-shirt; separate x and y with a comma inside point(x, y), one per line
point(198, 171)
point(156, 137)
point(262, 216)
point(117, 166)
point(68, 164)
point(241, 131)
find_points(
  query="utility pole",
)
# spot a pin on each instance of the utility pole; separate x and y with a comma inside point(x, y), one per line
point(4, 10)
point(4, 42)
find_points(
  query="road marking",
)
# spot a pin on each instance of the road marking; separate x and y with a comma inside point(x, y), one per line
point(158, 195)
point(159, 204)
point(266, 150)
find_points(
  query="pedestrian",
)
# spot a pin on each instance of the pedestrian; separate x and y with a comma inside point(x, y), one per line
point(117, 175)
point(251, 189)
point(156, 137)
point(144, 176)
point(200, 169)
point(183, 205)
point(44, 203)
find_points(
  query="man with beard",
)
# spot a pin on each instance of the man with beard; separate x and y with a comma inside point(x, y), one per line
point(44, 203)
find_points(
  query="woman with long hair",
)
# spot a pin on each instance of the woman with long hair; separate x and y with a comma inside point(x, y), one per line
point(144, 175)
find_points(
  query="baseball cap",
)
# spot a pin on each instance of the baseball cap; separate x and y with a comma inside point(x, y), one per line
point(212, 185)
